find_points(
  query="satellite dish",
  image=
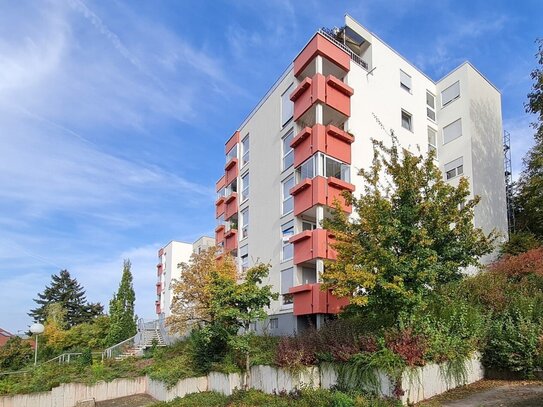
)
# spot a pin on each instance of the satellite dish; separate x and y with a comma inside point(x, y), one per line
point(37, 329)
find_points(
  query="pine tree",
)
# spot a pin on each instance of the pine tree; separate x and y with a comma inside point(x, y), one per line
point(67, 292)
point(121, 309)
point(530, 187)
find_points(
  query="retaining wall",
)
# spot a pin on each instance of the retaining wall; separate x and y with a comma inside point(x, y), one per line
point(418, 384)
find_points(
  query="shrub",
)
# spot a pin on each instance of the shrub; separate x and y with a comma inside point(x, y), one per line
point(86, 357)
point(295, 351)
point(518, 243)
point(15, 354)
point(409, 346)
point(207, 346)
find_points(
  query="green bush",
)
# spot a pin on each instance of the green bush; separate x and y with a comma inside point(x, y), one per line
point(15, 354)
point(86, 357)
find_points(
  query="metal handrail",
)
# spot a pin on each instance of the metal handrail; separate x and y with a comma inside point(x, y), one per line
point(356, 58)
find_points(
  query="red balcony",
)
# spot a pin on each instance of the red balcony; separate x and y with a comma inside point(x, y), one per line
point(319, 45)
point(327, 90)
point(231, 240)
point(320, 191)
point(219, 234)
point(232, 141)
point(220, 183)
point(329, 140)
point(220, 206)
point(160, 252)
point(157, 307)
point(313, 244)
point(231, 170)
point(231, 205)
point(310, 299)
point(158, 288)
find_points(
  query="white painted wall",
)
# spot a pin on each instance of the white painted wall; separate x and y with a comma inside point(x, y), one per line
point(174, 253)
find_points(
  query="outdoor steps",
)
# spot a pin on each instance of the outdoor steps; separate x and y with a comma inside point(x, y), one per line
point(149, 335)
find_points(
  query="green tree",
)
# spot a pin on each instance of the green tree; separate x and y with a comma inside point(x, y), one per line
point(121, 309)
point(66, 291)
point(519, 242)
point(15, 354)
point(236, 305)
point(529, 197)
point(411, 232)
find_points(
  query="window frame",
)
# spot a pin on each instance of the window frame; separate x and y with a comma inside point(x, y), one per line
point(456, 170)
point(245, 150)
point(287, 231)
point(432, 147)
point(449, 126)
point(245, 179)
point(430, 108)
point(452, 99)
point(410, 116)
point(290, 152)
point(289, 197)
point(286, 297)
point(245, 219)
point(286, 94)
point(405, 86)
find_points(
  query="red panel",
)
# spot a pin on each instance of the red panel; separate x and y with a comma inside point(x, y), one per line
point(314, 244)
point(231, 205)
point(231, 171)
point(338, 95)
point(220, 183)
point(310, 299)
point(327, 139)
point(157, 307)
point(219, 234)
point(319, 45)
point(231, 240)
point(219, 207)
point(158, 288)
point(320, 191)
point(232, 141)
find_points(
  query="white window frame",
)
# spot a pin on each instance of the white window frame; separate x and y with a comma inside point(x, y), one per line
point(233, 153)
point(345, 169)
point(286, 196)
point(285, 100)
point(429, 108)
point(432, 147)
point(245, 150)
point(310, 162)
point(245, 223)
point(288, 151)
point(455, 123)
point(454, 168)
point(286, 303)
point(245, 181)
point(287, 231)
point(406, 81)
point(274, 323)
point(452, 99)
point(244, 258)
point(410, 116)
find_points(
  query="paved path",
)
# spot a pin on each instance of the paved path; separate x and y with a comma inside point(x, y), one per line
point(510, 395)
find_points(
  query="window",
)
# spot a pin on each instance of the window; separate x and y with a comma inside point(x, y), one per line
point(220, 220)
point(450, 94)
point(288, 153)
point(452, 131)
point(307, 169)
point(245, 223)
point(430, 106)
point(432, 140)
point(306, 225)
point(245, 150)
point(287, 107)
point(244, 255)
point(407, 122)
point(233, 153)
point(232, 187)
point(288, 203)
point(405, 81)
point(287, 231)
point(336, 169)
point(221, 192)
point(454, 168)
point(245, 187)
point(274, 323)
point(287, 281)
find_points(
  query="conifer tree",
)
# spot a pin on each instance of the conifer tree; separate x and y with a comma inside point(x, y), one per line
point(121, 309)
point(70, 295)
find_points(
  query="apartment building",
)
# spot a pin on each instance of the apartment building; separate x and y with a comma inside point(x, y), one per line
point(304, 143)
point(169, 257)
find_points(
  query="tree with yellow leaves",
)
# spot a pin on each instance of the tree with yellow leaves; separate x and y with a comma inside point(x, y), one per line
point(411, 232)
point(192, 302)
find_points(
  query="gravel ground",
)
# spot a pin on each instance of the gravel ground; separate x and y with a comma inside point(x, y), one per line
point(139, 400)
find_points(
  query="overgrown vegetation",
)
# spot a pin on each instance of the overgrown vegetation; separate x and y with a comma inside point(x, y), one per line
point(298, 398)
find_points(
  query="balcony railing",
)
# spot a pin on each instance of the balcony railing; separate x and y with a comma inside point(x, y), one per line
point(320, 191)
point(355, 58)
point(329, 140)
point(313, 244)
point(311, 299)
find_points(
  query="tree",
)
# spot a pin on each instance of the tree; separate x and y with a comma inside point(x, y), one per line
point(519, 242)
point(411, 232)
point(66, 291)
point(236, 305)
point(529, 197)
point(192, 297)
point(55, 324)
point(15, 354)
point(121, 309)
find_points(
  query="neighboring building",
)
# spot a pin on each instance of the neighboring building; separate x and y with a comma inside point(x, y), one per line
point(306, 140)
point(169, 258)
point(4, 336)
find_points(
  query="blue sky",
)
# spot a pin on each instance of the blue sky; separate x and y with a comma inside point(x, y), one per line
point(114, 114)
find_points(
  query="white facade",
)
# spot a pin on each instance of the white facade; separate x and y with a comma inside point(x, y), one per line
point(388, 90)
point(169, 257)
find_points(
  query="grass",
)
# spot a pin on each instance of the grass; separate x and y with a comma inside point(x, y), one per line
point(299, 398)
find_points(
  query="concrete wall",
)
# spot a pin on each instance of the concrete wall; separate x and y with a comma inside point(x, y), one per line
point(418, 384)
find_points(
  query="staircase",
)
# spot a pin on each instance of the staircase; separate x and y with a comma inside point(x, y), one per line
point(149, 333)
